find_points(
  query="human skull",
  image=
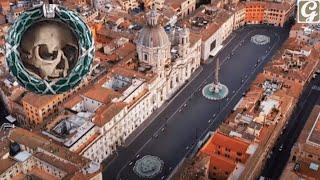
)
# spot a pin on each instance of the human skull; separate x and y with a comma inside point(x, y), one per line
point(45, 43)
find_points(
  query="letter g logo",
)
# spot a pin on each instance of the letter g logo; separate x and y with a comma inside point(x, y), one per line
point(308, 11)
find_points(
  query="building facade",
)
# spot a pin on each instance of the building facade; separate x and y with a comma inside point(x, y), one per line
point(165, 64)
point(274, 13)
point(182, 8)
point(128, 4)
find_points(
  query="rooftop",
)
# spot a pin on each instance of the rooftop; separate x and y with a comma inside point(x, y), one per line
point(271, 86)
point(70, 128)
point(101, 94)
point(222, 163)
point(174, 4)
point(314, 135)
point(268, 105)
point(306, 169)
point(72, 102)
point(22, 156)
point(105, 113)
point(6, 164)
point(285, 5)
point(65, 166)
point(33, 140)
point(219, 139)
point(41, 100)
point(295, 61)
point(35, 173)
point(207, 21)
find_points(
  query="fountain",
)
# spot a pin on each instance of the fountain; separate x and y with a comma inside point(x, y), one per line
point(259, 39)
point(148, 166)
point(215, 90)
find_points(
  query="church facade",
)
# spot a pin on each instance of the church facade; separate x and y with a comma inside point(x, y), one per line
point(172, 57)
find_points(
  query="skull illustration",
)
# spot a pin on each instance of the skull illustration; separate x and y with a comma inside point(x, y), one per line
point(49, 48)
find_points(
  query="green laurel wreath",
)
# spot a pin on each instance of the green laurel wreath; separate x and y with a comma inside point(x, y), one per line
point(41, 86)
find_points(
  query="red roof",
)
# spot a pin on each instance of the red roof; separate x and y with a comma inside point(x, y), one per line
point(219, 139)
point(222, 163)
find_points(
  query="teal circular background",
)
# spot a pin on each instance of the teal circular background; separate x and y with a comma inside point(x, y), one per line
point(41, 86)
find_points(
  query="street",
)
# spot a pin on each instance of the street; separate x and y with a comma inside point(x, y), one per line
point(3, 113)
point(190, 116)
point(281, 152)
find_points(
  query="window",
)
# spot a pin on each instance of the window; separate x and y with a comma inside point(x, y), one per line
point(145, 57)
point(213, 45)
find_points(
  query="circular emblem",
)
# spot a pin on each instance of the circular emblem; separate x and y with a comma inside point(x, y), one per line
point(49, 49)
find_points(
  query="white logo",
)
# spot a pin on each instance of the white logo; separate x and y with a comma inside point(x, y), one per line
point(309, 11)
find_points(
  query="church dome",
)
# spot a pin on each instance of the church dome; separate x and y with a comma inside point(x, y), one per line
point(153, 35)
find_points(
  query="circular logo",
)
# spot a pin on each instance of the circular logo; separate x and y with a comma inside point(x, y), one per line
point(49, 49)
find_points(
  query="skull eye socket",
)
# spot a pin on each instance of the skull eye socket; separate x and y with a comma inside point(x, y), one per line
point(45, 54)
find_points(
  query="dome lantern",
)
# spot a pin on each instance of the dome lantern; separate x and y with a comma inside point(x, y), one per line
point(152, 17)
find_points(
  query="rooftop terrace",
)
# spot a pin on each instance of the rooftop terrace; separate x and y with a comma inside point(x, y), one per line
point(71, 127)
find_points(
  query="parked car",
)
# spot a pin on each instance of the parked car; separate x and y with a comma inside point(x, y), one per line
point(281, 148)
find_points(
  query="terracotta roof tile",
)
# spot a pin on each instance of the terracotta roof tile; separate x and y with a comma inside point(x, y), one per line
point(6, 164)
point(39, 101)
point(221, 163)
point(69, 168)
point(101, 94)
point(33, 140)
point(219, 139)
point(105, 113)
point(72, 102)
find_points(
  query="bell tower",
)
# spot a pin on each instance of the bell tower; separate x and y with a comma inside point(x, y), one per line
point(184, 42)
